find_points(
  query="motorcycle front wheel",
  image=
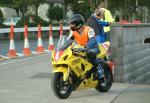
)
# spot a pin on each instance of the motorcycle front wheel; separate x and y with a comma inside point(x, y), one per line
point(105, 84)
point(62, 89)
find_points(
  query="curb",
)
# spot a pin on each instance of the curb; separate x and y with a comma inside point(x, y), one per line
point(21, 55)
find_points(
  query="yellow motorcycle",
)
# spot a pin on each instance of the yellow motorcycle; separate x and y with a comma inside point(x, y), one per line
point(72, 71)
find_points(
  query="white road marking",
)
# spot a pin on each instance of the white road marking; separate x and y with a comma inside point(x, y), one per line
point(24, 59)
point(20, 54)
point(5, 57)
point(34, 52)
point(46, 50)
point(8, 90)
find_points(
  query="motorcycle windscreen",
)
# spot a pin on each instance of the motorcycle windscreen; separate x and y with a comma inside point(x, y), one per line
point(63, 43)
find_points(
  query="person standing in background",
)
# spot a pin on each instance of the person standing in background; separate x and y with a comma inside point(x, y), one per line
point(97, 24)
point(107, 16)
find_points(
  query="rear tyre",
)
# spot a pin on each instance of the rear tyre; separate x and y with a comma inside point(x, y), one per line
point(62, 89)
point(105, 84)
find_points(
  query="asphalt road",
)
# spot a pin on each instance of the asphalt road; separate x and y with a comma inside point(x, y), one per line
point(27, 80)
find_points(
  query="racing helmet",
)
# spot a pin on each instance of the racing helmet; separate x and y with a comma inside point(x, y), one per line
point(77, 20)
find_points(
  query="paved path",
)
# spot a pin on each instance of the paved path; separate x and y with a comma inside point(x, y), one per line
point(27, 80)
point(134, 94)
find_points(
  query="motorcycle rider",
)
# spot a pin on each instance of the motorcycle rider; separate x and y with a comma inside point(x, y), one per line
point(85, 36)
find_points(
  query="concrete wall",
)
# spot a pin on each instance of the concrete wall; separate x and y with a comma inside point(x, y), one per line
point(129, 52)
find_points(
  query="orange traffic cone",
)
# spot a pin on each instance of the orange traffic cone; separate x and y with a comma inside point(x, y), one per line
point(26, 49)
point(12, 51)
point(51, 43)
point(40, 48)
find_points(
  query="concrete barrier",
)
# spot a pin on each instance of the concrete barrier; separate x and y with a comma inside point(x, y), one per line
point(129, 52)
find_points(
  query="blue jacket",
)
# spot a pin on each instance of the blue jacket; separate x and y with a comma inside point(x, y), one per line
point(101, 37)
point(98, 25)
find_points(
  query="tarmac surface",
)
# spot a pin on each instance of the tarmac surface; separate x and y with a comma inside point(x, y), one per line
point(27, 80)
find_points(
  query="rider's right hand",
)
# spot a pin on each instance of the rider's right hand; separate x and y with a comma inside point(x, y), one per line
point(79, 50)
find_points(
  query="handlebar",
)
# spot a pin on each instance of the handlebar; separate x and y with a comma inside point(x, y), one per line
point(80, 50)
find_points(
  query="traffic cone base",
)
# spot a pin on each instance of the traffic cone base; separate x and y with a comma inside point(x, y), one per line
point(12, 53)
point(27, 52)
point(1, 58)
point(51, 47)
point(40, 49)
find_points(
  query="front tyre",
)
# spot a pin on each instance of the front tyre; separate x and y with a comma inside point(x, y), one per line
point(62, 89)
point(105, 84)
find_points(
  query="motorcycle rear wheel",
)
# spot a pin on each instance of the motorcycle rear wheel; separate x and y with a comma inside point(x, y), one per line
point(105, 84)
point(62, 89)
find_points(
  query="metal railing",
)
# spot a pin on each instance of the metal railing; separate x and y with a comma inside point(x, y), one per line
point(30, 29)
